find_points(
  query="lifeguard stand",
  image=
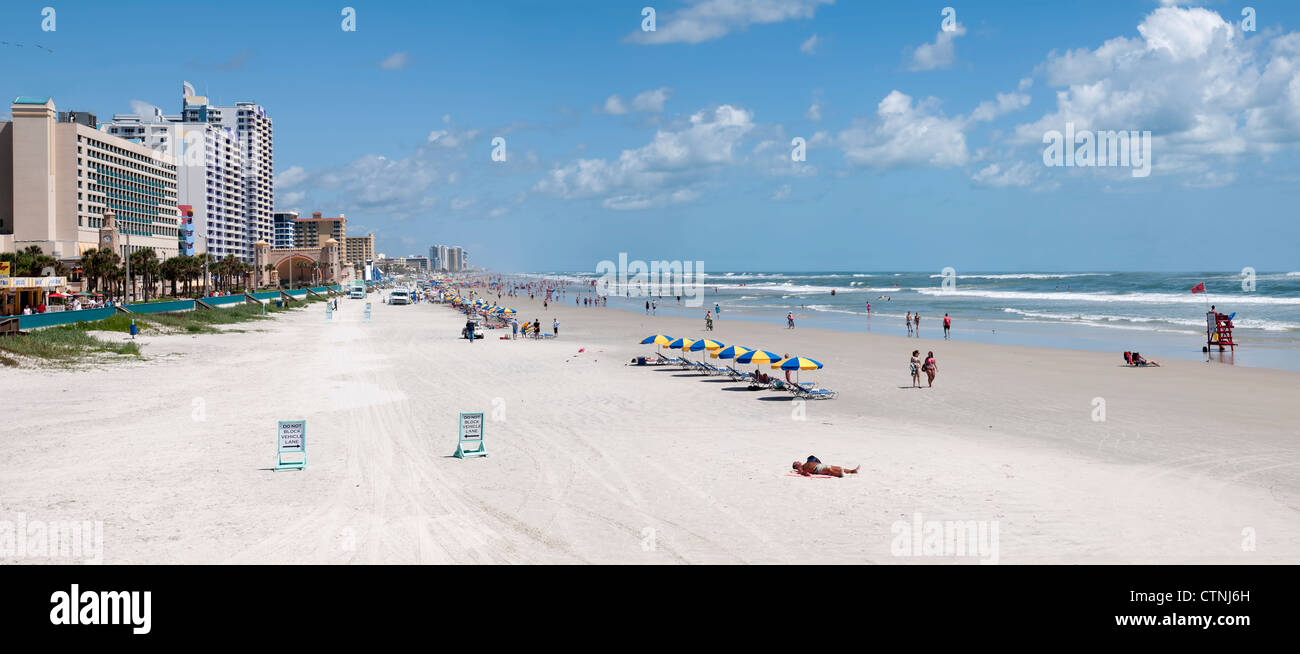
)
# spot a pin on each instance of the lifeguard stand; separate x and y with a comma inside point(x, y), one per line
point(1218, 331)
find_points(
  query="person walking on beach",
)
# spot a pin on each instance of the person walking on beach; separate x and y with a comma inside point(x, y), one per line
point(717, 309)
point(537, 327)
point(814, 466)
point(647, 307)
point(469, 330)
point(555, 326)
point(947, 325)
point(654, 308)
point(915, 366)
point(931, 369)
point(708, 321)
point(916, 322)
point(514, 329)
point(789, 320)
point(909, 323)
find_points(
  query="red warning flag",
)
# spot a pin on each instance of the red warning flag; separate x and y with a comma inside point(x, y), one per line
point(1199, 288)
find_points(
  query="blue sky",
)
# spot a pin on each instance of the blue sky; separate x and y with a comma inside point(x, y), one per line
point(924, 146)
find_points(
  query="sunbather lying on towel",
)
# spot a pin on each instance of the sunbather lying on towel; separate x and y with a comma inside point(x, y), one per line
point(814, 466)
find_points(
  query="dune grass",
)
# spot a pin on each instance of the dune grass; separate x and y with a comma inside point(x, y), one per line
point(65, 343)
point(71, 343)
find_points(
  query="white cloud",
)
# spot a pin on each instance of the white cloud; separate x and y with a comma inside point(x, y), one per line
point(809, 46)
point(906, 134)
point(458, 204)
point(449, 139)
point(142, 108)
point(290, 178)
point(997, 175)
point(940, 54)
point(1206, 93)
point(651, 101)
point(814, 112)
point(675, 157)
point(781, 193)
point(705, 20)
point(1004, 104)
point(395, 61)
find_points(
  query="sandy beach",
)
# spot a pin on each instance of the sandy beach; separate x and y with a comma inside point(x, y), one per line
point(594, 461)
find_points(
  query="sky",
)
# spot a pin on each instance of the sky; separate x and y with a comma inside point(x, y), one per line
point(924, 130)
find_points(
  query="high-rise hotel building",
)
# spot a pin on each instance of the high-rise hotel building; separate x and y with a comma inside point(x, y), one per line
point(227, 175)
point(313, 232)
point(359, 250)
point(210, 177)
point(59, 175)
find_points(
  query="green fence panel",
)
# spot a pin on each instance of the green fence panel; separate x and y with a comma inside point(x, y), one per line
point(64, 317)
point(224, 299)
point(162, 307)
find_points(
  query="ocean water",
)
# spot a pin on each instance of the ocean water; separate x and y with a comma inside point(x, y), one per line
point(1155, 313)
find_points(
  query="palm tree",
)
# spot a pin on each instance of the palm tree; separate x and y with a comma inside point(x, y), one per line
point(303, 267)
point(143, 262)
point(171, 270)
point(269, 269)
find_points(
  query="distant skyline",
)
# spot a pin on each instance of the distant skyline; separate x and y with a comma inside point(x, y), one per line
point(924, 141)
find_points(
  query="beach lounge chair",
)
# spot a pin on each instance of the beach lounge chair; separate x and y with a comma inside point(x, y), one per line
point(810, 392)
point(737, 375)
point(666, 360)
point(714, 370)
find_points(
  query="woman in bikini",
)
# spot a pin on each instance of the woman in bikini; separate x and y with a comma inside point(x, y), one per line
point(931, 368)
point(915, 366)
point(814, 466)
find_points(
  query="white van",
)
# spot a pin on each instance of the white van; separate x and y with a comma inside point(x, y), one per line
point(399, 296)
point(357, 291)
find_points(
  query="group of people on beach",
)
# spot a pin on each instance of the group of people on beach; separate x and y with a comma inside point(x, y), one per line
point(914, 325)
point(917, 366)
point(533, 329)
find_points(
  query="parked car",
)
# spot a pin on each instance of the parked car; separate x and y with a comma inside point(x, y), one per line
point(399, 296)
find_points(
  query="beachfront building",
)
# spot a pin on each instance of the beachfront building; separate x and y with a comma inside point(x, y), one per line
point(252, 129)
point(359, 250)
point(58, 179)
point(284, 229)
point(447, 258)
point(313, 232)
point(298, 267)
point(210, 178)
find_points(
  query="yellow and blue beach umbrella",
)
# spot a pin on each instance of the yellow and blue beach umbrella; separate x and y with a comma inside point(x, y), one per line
point(681, 344)
point(758, 357)
point(797, 363)
point(730, 352)
point(657, 339)
point(706, 344)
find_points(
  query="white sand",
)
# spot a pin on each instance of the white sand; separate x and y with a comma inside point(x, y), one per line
point(598, 462)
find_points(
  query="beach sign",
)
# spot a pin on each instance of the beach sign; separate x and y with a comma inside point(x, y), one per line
point(291, 439)
point(329, 311)
point(471, 436)
point(367, 312)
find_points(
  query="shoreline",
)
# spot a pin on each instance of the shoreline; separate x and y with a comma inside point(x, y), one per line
point(1153, 342)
